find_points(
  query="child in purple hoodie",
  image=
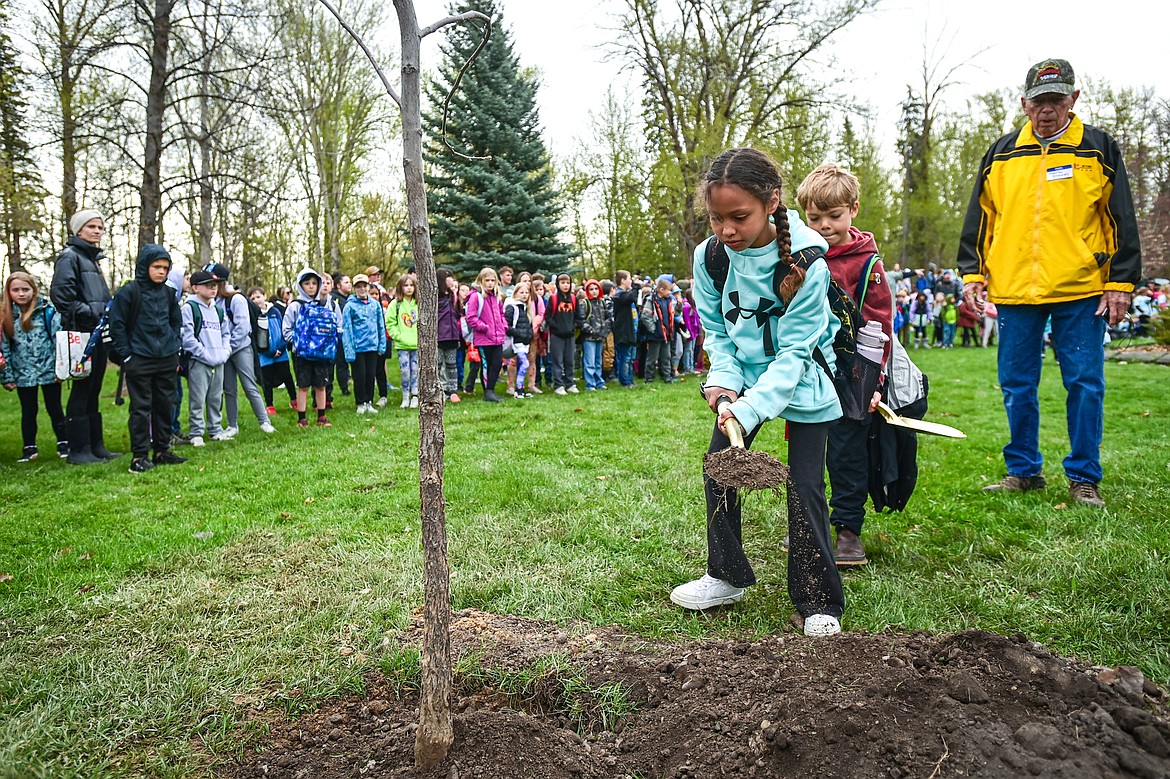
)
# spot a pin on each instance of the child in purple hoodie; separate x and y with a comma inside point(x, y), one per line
point(692, 328)
point(485, 318)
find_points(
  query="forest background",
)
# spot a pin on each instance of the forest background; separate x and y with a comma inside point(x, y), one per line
point(255, 134)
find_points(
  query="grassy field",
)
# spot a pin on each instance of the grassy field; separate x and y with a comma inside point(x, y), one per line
point(146, 614)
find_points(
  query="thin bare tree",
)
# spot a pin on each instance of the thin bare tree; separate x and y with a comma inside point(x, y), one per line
point(435, 733)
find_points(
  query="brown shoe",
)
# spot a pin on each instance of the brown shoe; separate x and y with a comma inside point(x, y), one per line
point(1085, 493)
point(1011, 483)
point(850, 551)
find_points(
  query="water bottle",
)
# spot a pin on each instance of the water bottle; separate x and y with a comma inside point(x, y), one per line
point(870, 342)
point(867, 369)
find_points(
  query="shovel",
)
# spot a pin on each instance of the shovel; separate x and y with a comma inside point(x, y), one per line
point(736, 467)
point(918, 425)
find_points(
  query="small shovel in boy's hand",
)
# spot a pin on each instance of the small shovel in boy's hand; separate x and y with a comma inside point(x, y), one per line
point(739, 468)
point(918, 425)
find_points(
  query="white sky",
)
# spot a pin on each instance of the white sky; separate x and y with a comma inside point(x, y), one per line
point(1121, 41)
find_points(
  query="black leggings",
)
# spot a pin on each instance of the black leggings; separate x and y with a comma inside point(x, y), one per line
point(29, 409)
point(814, 584)
point(85, 397)
point(492, 358)
point(365, 367)
point(273, 376)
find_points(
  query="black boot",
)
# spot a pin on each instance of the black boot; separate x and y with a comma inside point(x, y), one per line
point(79, 442)
point(490, 396)
point(96, 439)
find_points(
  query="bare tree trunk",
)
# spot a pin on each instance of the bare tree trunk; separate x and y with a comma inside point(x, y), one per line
point(156, 100)
point(435, 733)
point(206, 228)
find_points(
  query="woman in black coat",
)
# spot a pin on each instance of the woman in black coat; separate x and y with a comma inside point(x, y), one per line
point(80, 294)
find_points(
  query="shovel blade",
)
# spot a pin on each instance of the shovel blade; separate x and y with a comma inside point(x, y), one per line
point(918, 425)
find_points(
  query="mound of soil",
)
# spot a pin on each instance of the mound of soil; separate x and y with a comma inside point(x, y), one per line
point(854, 705)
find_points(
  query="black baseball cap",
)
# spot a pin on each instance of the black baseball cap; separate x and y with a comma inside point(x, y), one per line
point(203, 277)
point(1049, 77)
point(218, 270)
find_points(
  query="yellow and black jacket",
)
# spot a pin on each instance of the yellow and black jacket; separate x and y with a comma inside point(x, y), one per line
point(1051, 225)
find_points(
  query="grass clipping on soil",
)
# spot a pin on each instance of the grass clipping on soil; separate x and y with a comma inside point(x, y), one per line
point(744, 469)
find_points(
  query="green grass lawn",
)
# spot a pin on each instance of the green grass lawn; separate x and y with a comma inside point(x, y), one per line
point(147, 614)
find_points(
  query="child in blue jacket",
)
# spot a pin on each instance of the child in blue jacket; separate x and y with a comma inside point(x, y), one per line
point(766, 369)
point(28, 325)
point(363, 336)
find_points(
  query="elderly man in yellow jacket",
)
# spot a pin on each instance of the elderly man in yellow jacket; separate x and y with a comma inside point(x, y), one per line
point(1051, 233)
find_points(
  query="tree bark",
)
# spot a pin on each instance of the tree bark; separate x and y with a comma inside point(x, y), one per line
point(156, 100)
point(435, 733)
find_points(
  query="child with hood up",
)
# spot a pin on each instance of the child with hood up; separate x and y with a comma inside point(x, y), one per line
point(145, 326)
point(310, 328)
point(596, 324)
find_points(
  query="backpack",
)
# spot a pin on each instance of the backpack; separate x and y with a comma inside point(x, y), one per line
point(315, 333)
point(197, 326)
point(135, 306)
point(274, 332)
point(260, 331)
point(847, 310)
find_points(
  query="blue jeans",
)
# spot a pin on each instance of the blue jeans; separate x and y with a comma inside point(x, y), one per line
point(1078, 334)
point(623, 363)
point(591, 361)
point(687, 365)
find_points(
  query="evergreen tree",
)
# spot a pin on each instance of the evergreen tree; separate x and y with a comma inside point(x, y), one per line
point(21, 191)
point(502, 210)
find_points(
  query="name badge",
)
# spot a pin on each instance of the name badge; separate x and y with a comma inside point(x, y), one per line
point(1060, 173)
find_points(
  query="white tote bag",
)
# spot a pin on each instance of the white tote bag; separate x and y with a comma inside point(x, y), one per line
point(71, 360)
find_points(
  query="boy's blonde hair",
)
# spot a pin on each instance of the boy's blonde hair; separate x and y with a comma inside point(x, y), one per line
point(828, 186)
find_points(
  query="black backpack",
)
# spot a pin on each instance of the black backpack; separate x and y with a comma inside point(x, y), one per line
point(716, 263)
point(132, 317)
point(260, 335)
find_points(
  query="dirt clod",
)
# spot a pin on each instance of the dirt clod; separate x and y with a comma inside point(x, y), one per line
point(745, 469)
point(779, 706)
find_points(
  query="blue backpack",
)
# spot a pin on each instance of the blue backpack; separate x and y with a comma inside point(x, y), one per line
point(276, 342)
point(315, 334)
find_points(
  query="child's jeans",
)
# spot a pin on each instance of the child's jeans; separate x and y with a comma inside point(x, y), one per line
point(449, 370)
point(688, 356)
point(948, 334)
point(591, 362)
point(623, 363)
point(408, 368)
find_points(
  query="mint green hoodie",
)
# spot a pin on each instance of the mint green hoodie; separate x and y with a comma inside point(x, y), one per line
point(788, 385)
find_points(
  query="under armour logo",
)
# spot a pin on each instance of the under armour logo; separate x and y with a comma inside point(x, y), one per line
point(762, 313)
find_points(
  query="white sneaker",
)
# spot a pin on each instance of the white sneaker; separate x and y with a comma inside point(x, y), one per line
point(381, 401)
point(573, 388)
point(222, 435)
point(197, 440)
point(370, 409)
point(414, 401)
point(820, 625)
point(267, 428)
point(361, 409)
point(705, 593)
point(232, 431)
point(405, 401)
point(560, 391)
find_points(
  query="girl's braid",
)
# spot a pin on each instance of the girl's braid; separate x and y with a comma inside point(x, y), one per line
point(795, 276)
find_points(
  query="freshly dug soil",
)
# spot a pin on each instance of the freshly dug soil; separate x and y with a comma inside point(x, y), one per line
point(745, 469)
point(854, 705)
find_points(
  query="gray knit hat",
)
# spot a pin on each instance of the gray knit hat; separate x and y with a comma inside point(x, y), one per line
point(79, 220)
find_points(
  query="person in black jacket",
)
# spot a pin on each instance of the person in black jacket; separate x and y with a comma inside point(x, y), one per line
point(80, 294)
point(145, 324)
point(625, 336)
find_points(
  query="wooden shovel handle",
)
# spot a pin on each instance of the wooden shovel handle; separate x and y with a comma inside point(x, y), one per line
point(734, 430)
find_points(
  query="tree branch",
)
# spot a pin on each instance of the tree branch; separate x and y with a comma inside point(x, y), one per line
point(369, 54)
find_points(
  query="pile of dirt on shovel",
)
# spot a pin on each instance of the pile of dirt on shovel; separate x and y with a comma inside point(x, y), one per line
point(853, 705)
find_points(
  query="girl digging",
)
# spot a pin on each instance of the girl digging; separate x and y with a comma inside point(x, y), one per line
point(767, 371)
point(28, 325)
point(403, 325)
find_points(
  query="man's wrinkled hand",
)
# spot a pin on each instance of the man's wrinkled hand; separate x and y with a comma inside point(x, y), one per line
point(1114, 306)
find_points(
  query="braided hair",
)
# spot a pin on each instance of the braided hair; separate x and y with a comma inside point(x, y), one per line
point(755, 173)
